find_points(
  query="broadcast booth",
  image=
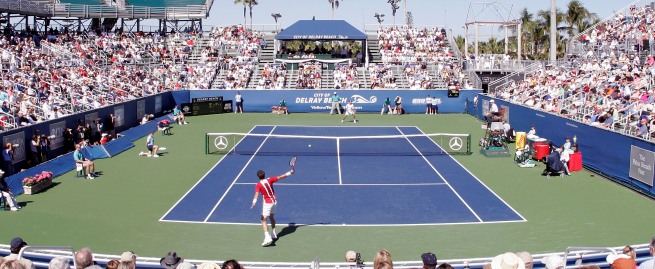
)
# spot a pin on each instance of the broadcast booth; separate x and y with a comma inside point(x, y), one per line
point(326, 41)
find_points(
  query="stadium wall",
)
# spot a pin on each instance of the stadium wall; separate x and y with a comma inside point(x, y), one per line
point(319, 100)
point(603, 150)
point(128, 115)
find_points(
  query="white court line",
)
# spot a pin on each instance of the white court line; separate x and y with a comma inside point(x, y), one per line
point(339, 160)
point(476, 178)
point(239, 175)
point(198, 182)
point(437, 171)
point(353, 184)
point(343, 224)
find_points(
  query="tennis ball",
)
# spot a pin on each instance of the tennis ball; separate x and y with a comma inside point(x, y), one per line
point(309, 146)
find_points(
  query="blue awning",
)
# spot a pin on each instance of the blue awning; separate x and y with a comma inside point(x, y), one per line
point(321, 30)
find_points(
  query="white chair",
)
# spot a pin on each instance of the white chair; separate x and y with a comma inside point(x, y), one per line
point(79, 168)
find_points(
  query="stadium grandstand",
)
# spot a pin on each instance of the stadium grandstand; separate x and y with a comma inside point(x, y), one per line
point(91, 73)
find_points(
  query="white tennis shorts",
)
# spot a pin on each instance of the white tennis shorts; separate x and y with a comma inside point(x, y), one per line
point(350, 112)
point(268, 209)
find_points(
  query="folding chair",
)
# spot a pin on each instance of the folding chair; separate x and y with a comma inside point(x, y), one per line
point(79, 168)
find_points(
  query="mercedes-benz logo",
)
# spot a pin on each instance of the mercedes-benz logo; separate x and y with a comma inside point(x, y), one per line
point(455, 143)
point(220, 142)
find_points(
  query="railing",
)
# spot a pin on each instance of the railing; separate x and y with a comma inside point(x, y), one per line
point(573, 257)
point(373, 28)
point(494, 85)
point(24, 6)
point(8, 121)
point(494, 64)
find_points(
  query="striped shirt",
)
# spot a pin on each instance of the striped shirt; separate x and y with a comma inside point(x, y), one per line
point(265, 187)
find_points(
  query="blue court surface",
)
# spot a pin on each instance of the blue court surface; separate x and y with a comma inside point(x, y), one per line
point(343, 188)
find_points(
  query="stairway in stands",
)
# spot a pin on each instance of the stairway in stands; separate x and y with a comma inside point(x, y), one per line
point(266, 56)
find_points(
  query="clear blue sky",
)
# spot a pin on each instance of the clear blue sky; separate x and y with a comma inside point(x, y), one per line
point(453, 13)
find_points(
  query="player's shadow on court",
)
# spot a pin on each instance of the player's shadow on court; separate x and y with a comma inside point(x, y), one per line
point(289, 229)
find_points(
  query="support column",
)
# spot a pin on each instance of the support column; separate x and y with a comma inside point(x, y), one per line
point(553, 32)
point(466, 41)
point(519, 41)
point(477, 27)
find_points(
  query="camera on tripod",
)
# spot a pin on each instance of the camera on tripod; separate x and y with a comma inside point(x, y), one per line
point(359, 261)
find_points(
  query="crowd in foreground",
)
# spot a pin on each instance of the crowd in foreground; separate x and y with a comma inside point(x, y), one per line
point(625, 259)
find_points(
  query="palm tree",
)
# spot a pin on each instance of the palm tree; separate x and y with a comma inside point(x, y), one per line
point(577, 17)
point(249, 4)
point(335, 5)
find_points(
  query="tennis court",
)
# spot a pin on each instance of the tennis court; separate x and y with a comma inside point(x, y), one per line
point(344, 176)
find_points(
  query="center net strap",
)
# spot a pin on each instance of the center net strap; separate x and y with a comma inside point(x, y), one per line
point(304, 145)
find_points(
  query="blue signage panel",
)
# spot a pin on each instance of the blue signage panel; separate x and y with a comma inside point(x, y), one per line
point(413, 101)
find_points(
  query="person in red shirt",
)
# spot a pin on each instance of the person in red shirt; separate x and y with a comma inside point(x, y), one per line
point(265, 187)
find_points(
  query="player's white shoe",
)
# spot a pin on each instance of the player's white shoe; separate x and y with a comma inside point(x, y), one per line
point(142, 153)
point(162, 148)
point(267, 241)
point(155, 155)
point(355, 121)
point(341, 120)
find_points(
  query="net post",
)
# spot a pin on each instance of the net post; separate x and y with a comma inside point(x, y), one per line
point(468, 144)
point(206, 143)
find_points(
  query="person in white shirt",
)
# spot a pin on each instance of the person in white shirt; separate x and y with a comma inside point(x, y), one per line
point(350, 110)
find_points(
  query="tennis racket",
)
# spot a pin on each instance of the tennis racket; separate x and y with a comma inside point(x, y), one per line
point(292, 163)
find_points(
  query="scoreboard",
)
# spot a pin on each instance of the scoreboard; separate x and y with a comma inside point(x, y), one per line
point(207, 105)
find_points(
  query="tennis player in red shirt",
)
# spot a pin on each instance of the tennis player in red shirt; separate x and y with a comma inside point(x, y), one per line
point(265, 187)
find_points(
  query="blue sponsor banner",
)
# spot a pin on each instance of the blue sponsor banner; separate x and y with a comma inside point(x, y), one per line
point(320, 100)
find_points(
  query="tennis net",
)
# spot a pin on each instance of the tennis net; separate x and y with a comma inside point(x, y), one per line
point(303, 145)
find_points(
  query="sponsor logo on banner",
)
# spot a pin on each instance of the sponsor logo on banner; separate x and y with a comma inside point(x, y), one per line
point(641, 165)
point(362, 100)
point(57, 131)
point(323, 100)
point(421, 101)
point(17, 141)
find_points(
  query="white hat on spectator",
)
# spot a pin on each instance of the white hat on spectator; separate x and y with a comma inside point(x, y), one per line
point(507, 261)
point(553, 262)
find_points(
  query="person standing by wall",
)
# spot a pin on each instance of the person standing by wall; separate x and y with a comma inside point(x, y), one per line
point(335, 103)
point(239, 103)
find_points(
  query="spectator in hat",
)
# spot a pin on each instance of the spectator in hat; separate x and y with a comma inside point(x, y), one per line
point(383, 260)
point(5, 192)
point(171, 261)
point(208, 265)
point(507, 260)
point(553, 262)
point(14, 247)
point(59, 262)
point(186, 265)
point(650, 263)
point(231, 264)
point(526, 257)
point(429, 260)
point(127, 261)
point(335, 103)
